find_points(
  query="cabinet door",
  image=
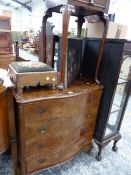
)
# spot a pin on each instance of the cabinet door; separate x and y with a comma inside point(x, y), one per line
point(120, 97)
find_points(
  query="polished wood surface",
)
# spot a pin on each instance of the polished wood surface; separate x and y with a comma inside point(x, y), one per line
point(7, 118)
point(4, 138)
point(55, 125)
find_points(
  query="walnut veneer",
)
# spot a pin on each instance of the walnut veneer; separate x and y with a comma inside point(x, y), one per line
point(55, 125)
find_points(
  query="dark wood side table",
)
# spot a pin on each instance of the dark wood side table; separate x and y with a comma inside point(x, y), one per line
point(79, 8)
point(7, 120)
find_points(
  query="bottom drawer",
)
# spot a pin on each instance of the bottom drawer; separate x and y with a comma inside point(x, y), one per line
point(45, 145)
point(43, 161)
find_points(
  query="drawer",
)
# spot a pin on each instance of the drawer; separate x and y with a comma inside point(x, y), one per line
point(52, 144)
point(48, 109)
point(48, 128)
point(43, 160)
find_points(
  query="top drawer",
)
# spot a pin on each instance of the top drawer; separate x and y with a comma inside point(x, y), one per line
point(49, 109)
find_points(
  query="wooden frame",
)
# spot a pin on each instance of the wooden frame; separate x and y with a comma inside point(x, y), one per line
point(5, 30)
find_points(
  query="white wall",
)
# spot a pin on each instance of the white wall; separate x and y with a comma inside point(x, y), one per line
point(122, 10)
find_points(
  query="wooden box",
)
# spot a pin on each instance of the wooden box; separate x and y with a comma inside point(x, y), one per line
point(115, 30)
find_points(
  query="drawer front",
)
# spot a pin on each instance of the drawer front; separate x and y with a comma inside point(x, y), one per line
point(52, 144)
point(42, 161)
point(49, 109)
point(57, 126)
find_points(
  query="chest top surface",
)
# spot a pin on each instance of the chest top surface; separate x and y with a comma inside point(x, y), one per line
point(79, 87)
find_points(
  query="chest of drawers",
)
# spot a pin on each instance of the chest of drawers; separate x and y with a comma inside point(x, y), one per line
point(53, 126)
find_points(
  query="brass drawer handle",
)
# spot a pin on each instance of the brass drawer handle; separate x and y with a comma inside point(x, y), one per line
point(88, 115)
point(42, 110)
point(41, 161)
point(41, 146)
point(83, 132)
point(41, 130)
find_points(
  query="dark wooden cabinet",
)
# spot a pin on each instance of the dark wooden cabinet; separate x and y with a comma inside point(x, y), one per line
point(110, 114)
point(53, 125)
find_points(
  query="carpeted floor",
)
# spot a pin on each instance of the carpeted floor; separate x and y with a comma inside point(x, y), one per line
point(118, 163)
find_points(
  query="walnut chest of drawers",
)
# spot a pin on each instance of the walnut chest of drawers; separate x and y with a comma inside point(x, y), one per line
point(53, 126)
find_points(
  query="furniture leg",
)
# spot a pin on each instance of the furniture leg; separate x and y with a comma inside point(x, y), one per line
point(99, 157)
point(89, 149)
point(116, 139)
point(105, 21)
point(17, 50)
point(66, 11)
point(12, 130)
point(47, 14)
point(14, 156)
point(80, 22)
point(115, 148)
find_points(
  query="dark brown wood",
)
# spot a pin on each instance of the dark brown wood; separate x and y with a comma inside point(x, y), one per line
point(105, 21)
point(47, 14)
point(66, 13)
point(101, 145)
point(49, 134)
point(79, 8)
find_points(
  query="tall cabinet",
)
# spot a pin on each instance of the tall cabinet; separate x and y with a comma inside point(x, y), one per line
point(116, 83)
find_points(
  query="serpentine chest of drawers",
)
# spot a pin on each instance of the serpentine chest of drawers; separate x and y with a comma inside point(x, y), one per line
point(53, 125)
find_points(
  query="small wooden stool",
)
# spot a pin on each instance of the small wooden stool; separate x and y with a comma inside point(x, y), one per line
point(25, 74)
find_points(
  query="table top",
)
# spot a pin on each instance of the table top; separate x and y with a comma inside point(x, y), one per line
point(78, 87)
